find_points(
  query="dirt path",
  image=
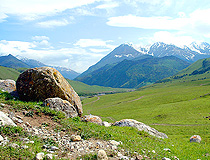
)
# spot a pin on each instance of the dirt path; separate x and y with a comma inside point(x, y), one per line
point(98, 98)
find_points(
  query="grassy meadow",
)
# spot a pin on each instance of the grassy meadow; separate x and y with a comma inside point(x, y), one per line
point(178, 108)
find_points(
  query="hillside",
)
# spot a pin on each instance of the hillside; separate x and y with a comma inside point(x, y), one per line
point(83, 89)
point(135, 73)
point(8, 73)
point(179, 109)
point(196, 71)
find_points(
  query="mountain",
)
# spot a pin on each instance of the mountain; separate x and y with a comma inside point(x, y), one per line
point(12, 62)
point(122, 52)
point(66, 72)
point(190, 53)
point(136, 72)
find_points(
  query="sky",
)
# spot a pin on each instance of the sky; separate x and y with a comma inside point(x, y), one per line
point(78, 33)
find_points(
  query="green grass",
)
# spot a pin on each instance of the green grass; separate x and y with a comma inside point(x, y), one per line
point(8, 73)
point(83, 89)
point(181, 105)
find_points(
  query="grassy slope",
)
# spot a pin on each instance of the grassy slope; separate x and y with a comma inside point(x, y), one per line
point(8, 73)
point(182, 104)
point(82, 88)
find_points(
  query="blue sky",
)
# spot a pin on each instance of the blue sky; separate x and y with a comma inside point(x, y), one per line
point(78, 33)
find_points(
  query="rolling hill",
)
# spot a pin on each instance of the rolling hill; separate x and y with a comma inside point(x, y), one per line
point(136, 72)
point(197, 71)
point(8, 73)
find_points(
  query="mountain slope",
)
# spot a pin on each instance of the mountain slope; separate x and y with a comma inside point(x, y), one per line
point(8, 73)
point(122, 52)
point(199, 70)
point(12, 62)
point(136, 73)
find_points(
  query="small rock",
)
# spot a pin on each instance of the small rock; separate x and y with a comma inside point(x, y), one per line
point(49, 156)
point(166, 158)
point(167, 149)
point(14, 145)
point(195, 138)
point(1, 138)
point(24, 147)
point(76, 138)
point(5, 120)
point(92, 119)
point(53, 148)
point(39, 156)
point(139, 157)
point(106, 124)
point(102, 155)
point(113, 142)
point(28, 124)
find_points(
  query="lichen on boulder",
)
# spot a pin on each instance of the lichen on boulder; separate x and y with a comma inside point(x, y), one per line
point(38, 84)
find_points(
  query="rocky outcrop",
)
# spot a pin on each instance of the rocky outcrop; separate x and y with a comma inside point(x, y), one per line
point(45, 82)
point(59, 104)
point(8, 85)
point(5, 120)
point(140, 126)
point(92, 119)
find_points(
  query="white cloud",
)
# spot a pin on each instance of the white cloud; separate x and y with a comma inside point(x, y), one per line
point(34, 9)
point(169, 38)
point(75, 58)
point(195, 23)
point(53, 23)
point(93, 43)
point(148, 22)
point(108, 5)
point(99, 50)
point(39, 38)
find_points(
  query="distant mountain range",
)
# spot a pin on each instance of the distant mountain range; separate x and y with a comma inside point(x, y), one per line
point(113, 68)
point(13, 62)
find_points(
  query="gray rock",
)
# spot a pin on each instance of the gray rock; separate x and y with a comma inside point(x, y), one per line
point(166, 158)
point(102, 155)
point(49, 156)
point(24, 147)
point(106, 124)
point(195, 138)
point(53, 148)
point(8, 85)
point(5, 120)
point(39, 156)
point(59, 104)
point(140, 126)
point(92, 119)
point(1, 138)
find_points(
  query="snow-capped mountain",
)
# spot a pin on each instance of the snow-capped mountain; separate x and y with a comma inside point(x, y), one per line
point(190, 53)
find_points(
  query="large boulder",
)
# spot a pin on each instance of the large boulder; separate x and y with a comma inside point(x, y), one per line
point(8, 85)
point(59, 104)
point(140, 126)
point(5, 120)
point(38, 84)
